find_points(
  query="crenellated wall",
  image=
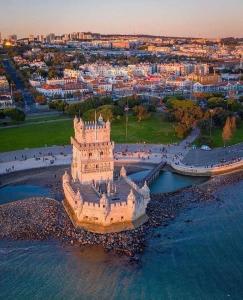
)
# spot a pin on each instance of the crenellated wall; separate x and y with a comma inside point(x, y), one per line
point(106, 214)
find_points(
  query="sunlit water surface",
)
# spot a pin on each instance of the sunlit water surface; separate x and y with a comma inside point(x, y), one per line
point(201, 259)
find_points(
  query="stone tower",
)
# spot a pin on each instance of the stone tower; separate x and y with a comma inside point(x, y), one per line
point(94, 200)
point(92, 151)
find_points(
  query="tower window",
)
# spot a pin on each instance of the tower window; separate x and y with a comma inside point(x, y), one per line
point(90, 154)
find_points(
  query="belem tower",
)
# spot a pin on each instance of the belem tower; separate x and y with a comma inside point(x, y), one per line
point(95, 199)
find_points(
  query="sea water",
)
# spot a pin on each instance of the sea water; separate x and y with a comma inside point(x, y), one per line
point(168, 181)
point(11, 193)
point(198, 256)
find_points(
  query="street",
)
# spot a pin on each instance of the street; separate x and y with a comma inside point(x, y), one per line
point(29, 102)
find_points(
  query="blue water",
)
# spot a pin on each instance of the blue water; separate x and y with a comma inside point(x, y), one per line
point(168, 181)
point(202, 259)
point(11, 193)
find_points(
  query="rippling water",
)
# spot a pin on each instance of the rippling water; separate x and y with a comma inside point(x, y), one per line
point(201, 259)
point(169, 182)
point(11, 193)
point(166, 182)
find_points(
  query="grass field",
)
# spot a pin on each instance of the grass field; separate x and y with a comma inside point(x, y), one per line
point(153, 130)
point(237, 137)
point(35, 135)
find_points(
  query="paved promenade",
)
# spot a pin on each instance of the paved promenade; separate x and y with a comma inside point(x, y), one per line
point(39, 158)
point(124, 153)
point(216, 156)
point(61, 155)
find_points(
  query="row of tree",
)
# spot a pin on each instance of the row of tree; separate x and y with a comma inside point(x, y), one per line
point(13, 113)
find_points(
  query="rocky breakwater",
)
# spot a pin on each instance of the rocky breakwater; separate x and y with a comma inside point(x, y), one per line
point(44, 218)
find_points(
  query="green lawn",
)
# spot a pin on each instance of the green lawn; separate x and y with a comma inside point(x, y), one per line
point(37, 135)
point(237, 137)
point(45, 118)
point(153, 130)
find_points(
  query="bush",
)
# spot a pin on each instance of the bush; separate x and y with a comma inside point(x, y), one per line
point(108, 112)
point(15, 114)
point(59, 105)
point(82, 107)
point(105, 111)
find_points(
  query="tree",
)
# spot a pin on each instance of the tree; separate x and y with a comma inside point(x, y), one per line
point(216, 102)
point(228, 130)
point(40, 99)
point(141, 112)
point(17, 96)
point(106, 111)
point(233, 124)
point(52, 73)
point(15, 114)
point(186, 113)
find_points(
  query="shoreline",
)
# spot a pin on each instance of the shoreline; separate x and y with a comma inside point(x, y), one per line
point(45, 219)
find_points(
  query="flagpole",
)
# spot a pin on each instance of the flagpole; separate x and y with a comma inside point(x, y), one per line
point(95, 127)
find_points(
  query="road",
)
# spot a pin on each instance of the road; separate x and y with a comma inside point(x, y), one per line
point(29, 100)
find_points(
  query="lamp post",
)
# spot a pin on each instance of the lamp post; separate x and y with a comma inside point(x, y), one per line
point(126, 109)
point(211, 122)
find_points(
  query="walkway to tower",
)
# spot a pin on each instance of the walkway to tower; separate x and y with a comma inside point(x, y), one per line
point(152, 175)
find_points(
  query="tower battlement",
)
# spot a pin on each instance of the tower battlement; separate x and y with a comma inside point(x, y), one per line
point(92, 131)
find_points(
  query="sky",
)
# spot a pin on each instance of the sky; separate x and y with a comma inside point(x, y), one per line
point(197, 18)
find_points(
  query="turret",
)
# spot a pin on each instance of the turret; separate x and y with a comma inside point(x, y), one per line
point(131, 199)
point(75, 121)
point(78, 196)
point(123, 172)
point(109, 188)
point(104, 206)
point(79, 202)
point(66, 177)
point(81, 122)
point(146, 189)
point(100, 120)
point(108, 124)
point(104, 202)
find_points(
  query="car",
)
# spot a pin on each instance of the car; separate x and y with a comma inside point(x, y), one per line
point(205, 148)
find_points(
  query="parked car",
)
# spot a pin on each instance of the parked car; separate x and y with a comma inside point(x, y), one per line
point(205, 148)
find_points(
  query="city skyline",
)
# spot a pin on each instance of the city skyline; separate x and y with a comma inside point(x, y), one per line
point(169, 18)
